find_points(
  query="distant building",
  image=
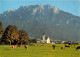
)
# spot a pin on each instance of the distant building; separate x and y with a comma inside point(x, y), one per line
point(57, 41)
point(45, 39)
point(48, 40)
point(63, 42)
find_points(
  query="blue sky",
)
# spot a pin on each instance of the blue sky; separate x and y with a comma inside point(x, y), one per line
point(71, 6)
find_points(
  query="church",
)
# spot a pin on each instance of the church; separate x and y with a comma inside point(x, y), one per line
point(45, 39)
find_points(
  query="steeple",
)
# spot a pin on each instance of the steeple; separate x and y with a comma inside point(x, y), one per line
point(43, 38)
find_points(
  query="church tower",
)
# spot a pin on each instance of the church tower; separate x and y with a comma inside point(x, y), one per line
point(43, 38)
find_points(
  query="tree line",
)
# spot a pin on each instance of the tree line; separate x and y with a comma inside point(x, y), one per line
point(11, 35)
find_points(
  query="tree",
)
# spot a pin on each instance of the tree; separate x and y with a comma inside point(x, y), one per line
point(1, 29)
point(10, 34)
point(23, 37)
point(33, 40)
point(1, 25)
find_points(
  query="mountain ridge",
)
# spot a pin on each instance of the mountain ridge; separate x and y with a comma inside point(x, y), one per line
point(39, 19)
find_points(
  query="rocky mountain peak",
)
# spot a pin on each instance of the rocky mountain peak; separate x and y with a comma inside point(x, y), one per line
point(55, 10)
point(11, 10)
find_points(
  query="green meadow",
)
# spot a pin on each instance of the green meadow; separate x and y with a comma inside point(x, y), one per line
point(38, 51)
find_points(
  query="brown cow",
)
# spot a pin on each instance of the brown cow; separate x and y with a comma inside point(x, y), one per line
point(62, 47)
point(20, 45)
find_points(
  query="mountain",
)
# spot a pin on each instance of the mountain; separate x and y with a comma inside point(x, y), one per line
point(39, 19)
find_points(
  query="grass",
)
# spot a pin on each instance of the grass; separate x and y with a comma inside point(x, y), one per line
point(38, 51)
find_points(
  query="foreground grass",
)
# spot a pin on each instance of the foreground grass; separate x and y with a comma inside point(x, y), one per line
point(38, 51)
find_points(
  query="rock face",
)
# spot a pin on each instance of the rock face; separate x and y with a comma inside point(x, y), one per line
point(39, 19)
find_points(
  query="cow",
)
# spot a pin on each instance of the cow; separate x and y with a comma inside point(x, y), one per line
point(67, 46)
point(20, 45)
point(53, 46)
point(62, 47)
point(78, 48)
point(26, 47)
point(13, 47)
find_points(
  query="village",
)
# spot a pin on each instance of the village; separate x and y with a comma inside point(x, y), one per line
point(48, 40)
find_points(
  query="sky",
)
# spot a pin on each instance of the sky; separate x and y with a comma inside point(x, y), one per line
point(71, 6)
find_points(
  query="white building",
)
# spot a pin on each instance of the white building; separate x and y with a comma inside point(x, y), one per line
point(48, 40)
point(45, 39)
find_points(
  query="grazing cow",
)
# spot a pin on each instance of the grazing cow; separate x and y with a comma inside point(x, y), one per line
point(78, 48)
point(20, 45)
point(62, 47)
point(13, 47)
point(26, 47)
point(53, 46)
point(67, 46)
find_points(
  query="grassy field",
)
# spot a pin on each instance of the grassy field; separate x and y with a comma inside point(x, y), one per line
point(38, 51)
